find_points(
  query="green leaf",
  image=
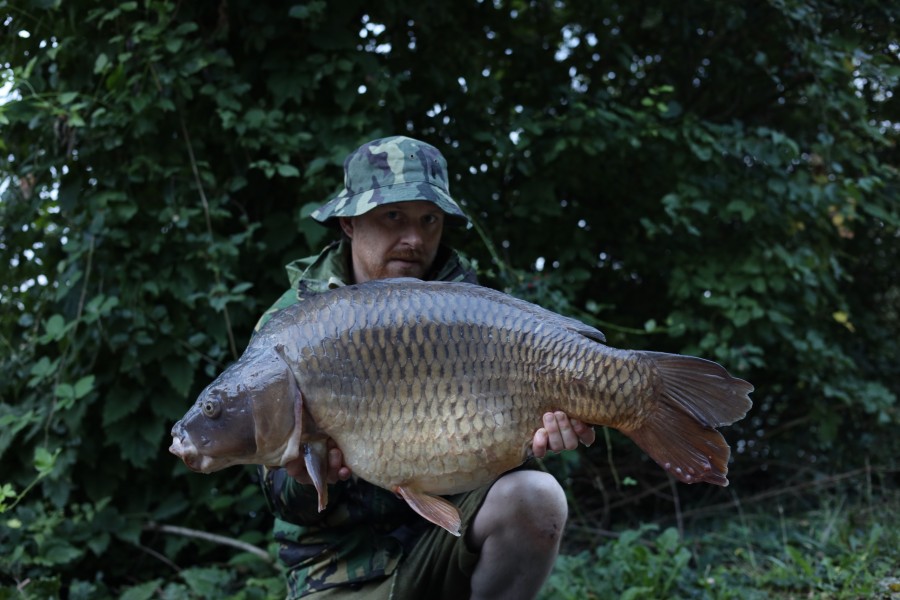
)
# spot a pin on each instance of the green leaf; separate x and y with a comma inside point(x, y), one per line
point(180, 374)
point(174, 44)
point(66, 393)
point(100, 63)
point(59, 552)
point(55, 328)
point(143, 591)
point(288, 171)
point(798, 559)
point(83, 386)
point(43, 369)
point(44, 461)
point(636, 593)
point(7, 491)
point(117, 407)
point(206, 582)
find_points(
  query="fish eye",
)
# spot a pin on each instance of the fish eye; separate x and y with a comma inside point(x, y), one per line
point(211, 408)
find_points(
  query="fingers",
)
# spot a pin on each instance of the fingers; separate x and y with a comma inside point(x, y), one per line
point(336, 469)
point(585, 432)
point(297, 469)
point(539, 443)
point(560, 433)
point(335, 462)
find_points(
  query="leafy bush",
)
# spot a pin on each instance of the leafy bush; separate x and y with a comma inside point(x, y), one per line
point(717, 178)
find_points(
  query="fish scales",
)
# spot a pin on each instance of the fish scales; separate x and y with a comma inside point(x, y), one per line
point(437, 388)
point(512, 391)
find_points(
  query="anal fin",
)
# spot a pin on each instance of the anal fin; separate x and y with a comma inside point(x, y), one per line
point(439, 511)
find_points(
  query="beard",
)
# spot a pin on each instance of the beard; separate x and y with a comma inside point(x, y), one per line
point(402, 268)
point(393, 262)
point(405, 264)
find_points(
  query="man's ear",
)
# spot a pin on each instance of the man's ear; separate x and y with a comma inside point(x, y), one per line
point(346, 224)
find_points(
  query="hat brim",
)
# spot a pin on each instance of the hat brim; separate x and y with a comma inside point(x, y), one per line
point(355, 205)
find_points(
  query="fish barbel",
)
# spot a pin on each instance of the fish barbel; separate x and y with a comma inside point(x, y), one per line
point(432, 388)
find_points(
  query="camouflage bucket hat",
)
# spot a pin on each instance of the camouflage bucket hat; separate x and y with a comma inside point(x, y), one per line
point(388, 170)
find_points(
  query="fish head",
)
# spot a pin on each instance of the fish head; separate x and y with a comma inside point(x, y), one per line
point(245, 416)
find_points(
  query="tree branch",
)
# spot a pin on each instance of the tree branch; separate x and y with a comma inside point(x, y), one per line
point(211, 537)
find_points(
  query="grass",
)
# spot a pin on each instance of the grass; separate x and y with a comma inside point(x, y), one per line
point(847, 546)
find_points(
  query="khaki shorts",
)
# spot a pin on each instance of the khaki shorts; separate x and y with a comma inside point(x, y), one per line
point(438, 567)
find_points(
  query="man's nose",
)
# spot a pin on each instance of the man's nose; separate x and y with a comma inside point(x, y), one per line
point(413, 236)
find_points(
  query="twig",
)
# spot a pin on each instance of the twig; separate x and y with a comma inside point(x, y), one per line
point(834, 479)
point(676, 499)
point(746, 527)
point(158, 557)
point(209, 229)
point(610, 461)
point(505, 268)
point(211, 537)
point(597, 480)
point(60, 370)
point(190, 149)
point(210, 360)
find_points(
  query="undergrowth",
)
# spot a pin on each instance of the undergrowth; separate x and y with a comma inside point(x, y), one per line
point(847, 546)
point(841, 549)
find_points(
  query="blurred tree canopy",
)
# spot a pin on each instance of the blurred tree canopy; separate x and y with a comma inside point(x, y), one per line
point(712, 178)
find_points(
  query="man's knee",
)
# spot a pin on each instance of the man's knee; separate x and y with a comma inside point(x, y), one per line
point(530, 502)
point(533, 492)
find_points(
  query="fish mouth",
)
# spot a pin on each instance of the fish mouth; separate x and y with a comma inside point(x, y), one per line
point(187, 452)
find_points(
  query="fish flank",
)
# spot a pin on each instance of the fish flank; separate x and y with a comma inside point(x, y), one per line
point(439, 387)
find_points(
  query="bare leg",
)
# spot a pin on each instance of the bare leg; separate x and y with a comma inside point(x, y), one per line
point(517, 531)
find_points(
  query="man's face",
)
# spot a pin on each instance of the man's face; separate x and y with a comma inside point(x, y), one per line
point(394, 240)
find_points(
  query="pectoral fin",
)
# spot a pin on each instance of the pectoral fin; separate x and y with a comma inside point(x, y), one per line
point(433, 508)
point(315, 456)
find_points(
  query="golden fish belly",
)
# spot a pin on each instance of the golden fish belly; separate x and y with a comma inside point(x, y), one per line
point(440, 449)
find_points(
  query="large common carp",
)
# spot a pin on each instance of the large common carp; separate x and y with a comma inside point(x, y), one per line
point(433, 388)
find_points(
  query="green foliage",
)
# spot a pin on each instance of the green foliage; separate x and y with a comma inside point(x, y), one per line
point(714, 178)
point(837, 551)
point(631, 569)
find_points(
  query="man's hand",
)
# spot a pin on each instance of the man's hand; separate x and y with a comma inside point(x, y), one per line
point(337, 470)
point(560, 433)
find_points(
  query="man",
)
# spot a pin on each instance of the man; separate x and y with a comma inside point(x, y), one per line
point(367, 543)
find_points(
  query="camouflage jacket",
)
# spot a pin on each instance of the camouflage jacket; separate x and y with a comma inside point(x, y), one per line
point(365, 530)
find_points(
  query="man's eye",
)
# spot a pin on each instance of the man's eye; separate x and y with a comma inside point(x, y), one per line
point(430, 219)
point(393, 215)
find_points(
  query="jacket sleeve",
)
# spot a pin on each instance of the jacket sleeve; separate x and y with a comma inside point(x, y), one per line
point(287, 299)
point(294, 502)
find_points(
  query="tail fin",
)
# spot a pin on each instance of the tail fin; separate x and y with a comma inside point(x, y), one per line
point(695, 397)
